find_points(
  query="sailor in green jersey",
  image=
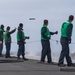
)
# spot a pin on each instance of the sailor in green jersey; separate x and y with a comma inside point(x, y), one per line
point(45, 37)
point(1, 38)
point(21, 42)
point(7, 38)
point(66, 33)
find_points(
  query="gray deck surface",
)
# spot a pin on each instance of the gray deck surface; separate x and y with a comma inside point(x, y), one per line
point(11, 66)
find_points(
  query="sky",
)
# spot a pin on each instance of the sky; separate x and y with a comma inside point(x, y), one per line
point(13, 12)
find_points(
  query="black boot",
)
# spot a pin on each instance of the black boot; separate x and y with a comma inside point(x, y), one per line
point(24, 58)
point(18, 58)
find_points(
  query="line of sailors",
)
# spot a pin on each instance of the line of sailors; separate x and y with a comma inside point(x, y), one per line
point(65, 40)
point(6, 36)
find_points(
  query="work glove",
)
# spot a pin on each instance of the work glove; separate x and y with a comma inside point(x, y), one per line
point(27, 37)
point(56, 32)
point(69, 41)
